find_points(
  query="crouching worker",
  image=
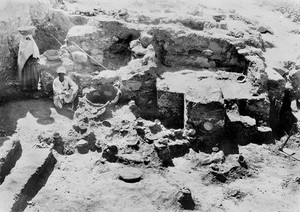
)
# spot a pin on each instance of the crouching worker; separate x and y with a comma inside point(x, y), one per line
point(64, 89)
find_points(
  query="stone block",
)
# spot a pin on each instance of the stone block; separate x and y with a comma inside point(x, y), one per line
point(264, 135)
point(82, 146)
point(215, 47)
point(86, 46)
point(258, 108)
point(79, 57)
point(97, 59)
point(202, 62)
point(275, 84)
point(224, 25)
point(265, 29)
point(139, 51)
point(110, 153)
point(246, 121)
point(132, 158)
point(80, 33)
point(146, 39)
point(134, 43)
point(96, 51)
point(132, 85)
point(72, 48)
point(239, 132)
point(68, 64)
point(179, 148)
point(105, 77)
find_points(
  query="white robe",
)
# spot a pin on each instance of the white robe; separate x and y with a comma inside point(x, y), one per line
point(27, 47)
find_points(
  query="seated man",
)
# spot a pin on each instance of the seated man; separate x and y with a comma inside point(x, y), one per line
point(64, 89)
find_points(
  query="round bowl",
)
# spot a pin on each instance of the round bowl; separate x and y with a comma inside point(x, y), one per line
point(52, 54)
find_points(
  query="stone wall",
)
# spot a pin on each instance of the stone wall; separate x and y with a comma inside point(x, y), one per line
point(105, 41)
point(181, 47)
point(203, 101)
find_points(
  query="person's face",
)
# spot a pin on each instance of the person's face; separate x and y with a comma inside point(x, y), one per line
point(61, 76)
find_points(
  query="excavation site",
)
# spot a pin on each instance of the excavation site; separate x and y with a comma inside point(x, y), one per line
point(149, 105)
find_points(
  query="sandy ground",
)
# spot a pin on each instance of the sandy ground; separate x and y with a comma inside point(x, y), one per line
point(83, 183)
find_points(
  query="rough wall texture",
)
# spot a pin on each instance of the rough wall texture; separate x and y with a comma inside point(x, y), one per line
point(105, 40)
point(179, 47)
point(13, 14)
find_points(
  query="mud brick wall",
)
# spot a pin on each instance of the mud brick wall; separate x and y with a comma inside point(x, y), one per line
point(141, 89)
point(171, 108)
point(198, 114)
point(256, 108)
point(179, 48)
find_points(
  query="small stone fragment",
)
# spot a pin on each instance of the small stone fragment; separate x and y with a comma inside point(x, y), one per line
point(223, 25)
point(146, 39)
point(82, 146)
point(265, 29)
point(110, 153)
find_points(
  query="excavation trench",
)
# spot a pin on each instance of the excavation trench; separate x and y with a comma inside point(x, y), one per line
point(34, 184)
point(8, 161)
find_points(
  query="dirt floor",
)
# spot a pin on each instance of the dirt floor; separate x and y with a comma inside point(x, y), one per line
point(84, 182)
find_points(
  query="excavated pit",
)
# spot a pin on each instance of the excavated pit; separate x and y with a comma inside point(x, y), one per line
point(103, 94)
point(34, 184)
point(11, 152)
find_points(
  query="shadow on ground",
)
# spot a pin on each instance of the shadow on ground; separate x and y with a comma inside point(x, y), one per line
point(11, 112)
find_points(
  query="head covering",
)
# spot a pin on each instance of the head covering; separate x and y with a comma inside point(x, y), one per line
point(27, 47)
point(26, 30)
point(61, 70)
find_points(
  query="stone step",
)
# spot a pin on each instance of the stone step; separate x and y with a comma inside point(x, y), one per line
point(10, 152)
point(28, 176)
